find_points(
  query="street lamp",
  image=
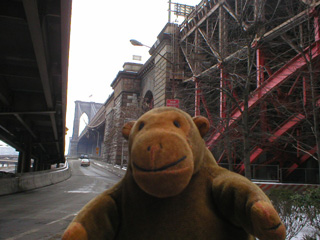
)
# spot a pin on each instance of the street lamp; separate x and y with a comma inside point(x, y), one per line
point(135, 42)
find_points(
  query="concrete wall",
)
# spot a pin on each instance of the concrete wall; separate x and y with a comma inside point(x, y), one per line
point(32, 180)
point(115, 169)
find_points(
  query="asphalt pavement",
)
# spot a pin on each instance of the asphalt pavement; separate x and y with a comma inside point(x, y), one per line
point(45, 213)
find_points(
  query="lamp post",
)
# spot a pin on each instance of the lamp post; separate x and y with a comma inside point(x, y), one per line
point(135, 42)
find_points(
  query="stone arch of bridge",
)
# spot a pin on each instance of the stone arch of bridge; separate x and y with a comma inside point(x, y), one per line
point(88, 108)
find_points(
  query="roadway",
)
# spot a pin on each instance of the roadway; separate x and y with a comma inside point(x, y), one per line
point(45, 213)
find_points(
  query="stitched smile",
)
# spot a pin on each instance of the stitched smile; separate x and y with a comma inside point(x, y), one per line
point(162, 168)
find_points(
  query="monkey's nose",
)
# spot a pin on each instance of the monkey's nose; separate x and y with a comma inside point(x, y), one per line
point(154, 147)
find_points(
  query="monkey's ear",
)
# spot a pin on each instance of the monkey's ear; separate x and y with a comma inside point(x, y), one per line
point(203, 124)
point(126, 129)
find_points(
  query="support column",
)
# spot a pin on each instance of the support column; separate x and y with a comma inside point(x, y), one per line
point(20, 162)
point(306, 90)
point(260, 67)
point(222, 49)
point(196, 71)
point(27, 155)
point(260, 79)
point(40, 162)
point(316, 28)
point(24, 159)
point(35, 165)
point(73, 145)
point(223, 98)
point(197, 98)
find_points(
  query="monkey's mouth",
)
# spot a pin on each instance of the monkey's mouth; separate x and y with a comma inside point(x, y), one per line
point(161, 168)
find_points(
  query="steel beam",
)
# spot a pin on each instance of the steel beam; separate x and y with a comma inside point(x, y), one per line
point(31, 10)
point(304, 158)
point(295, 65)
point(8, 137)
point(289, 24)
point(285, 127)
point(204, 102)
point(294, 120)
point(5, 95)
point(211, 46)
point(190, 63)
point(28, 113)
point(216, 67)
point(25, 125)
point(211, 11)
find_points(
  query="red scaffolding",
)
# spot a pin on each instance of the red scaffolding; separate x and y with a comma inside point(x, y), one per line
point(208, 47)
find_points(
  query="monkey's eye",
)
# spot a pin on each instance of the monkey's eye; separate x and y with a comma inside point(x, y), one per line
point(141, 125)
point(176, 123)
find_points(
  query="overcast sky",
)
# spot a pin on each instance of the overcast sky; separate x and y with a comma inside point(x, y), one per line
point(100, 34)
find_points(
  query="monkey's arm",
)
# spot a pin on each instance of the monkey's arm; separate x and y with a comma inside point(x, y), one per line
point(96, 220)
point(245, 205)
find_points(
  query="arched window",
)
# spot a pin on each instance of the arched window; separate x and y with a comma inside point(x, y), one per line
point(147, 101)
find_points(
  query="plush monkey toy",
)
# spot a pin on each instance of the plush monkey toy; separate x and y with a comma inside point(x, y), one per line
point(174, 189)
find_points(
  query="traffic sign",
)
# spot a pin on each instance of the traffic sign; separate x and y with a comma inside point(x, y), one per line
point(173, 103)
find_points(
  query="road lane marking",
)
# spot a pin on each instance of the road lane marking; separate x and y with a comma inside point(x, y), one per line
point(70, 215)
point(78, 191)
point(38, 229)
point(23, 234)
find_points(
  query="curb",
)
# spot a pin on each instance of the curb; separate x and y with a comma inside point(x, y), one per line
point(33, 180)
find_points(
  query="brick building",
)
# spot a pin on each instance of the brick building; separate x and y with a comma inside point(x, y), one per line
point(136, 89)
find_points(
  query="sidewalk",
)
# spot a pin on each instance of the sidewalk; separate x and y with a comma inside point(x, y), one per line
point(115, 169)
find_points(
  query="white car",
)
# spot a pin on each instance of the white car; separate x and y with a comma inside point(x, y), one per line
point(85, 162)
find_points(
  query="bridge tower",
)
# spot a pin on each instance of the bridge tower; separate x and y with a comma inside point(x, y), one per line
point(90, 108)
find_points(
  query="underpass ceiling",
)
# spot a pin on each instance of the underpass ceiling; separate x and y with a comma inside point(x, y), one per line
point(34, 46)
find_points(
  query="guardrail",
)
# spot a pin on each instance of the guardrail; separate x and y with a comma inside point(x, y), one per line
point(274, 173)
point(116, 169)
point(32, 180)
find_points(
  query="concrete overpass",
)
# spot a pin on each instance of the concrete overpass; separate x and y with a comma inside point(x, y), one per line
point(34, 48)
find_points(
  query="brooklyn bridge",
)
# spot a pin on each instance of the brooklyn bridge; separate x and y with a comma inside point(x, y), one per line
point(250, 67)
